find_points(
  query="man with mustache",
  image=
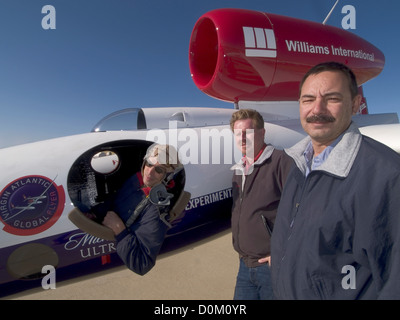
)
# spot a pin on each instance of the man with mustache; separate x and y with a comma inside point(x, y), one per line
point(256, 189)
point(336, 235)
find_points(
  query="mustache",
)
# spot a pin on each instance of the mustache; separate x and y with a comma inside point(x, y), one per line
point(320, 118)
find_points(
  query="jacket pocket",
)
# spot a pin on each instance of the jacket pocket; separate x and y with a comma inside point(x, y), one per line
point(267, 225)
point(319, 287)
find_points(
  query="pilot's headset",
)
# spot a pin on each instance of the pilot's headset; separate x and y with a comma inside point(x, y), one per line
point(167, 156)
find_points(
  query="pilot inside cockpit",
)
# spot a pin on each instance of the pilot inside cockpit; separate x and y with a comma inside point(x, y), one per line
point(138, 214)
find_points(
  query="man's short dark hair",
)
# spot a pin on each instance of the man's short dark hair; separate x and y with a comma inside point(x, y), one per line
point(335, 67)
point(244, 114)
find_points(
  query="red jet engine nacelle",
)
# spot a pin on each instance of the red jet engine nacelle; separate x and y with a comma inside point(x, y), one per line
point(240, 54)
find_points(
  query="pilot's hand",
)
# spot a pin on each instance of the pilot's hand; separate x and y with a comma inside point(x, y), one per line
point(114, 222)
point(265, 260)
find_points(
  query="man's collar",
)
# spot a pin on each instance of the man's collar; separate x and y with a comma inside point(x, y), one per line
point(341, 157)
point(263, 155)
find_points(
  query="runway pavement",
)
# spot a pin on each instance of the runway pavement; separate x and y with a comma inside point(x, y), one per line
point(203, 270)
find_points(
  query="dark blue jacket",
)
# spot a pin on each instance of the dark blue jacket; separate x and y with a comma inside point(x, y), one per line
point(337, 232)
point(138, 245)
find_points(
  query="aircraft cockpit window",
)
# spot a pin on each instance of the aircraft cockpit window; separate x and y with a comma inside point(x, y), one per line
point(127, 119)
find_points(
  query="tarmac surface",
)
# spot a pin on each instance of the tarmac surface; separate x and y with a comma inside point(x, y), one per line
point(203, 270)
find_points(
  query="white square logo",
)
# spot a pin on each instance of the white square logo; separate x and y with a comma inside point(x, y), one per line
point(259, 42)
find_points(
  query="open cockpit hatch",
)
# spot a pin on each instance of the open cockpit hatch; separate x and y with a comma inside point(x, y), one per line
point(100, 172)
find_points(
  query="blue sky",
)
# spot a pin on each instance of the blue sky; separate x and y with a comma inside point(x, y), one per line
point(108, 55)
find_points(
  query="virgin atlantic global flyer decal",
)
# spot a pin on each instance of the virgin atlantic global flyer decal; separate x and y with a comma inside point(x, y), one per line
point(30, 205)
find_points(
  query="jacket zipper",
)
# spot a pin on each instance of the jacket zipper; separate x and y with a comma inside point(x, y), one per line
point(291, 226)
point(240, 209)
